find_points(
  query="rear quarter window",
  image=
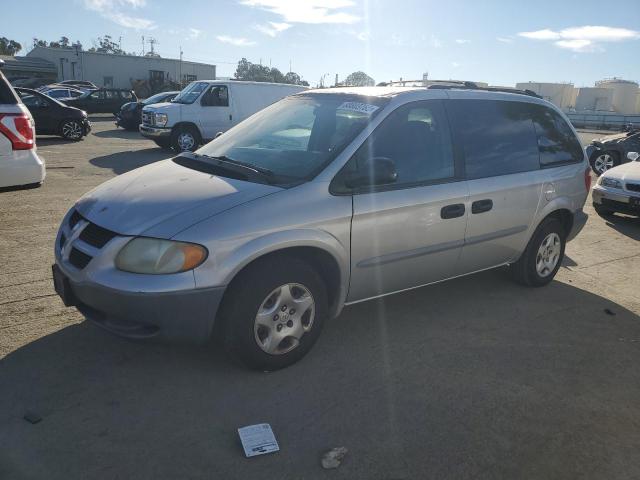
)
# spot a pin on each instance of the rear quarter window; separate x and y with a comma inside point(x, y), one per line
point(498, 137)
point(556, 141)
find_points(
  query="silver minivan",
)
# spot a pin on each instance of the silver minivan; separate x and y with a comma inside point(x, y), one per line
point(324, 199)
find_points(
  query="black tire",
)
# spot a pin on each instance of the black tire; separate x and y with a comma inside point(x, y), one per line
point(602, 211)
point(524, 271)
point(71, 130)
point(163, 142)
point(595, 155)
point(185, 130)
point(245, 297)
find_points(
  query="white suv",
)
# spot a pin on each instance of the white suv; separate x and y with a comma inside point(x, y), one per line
point(19, 162)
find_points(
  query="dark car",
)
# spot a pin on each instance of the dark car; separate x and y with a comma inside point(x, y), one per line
point(130, 115)
point(79, 84)
point(104, 100)
point(53, 117)
point(608, 152)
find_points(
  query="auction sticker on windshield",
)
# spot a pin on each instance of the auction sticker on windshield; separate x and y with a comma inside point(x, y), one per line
point(358, 107)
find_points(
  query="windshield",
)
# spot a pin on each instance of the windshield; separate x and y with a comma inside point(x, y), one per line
point(297, 137)
point(157, 98)
point(190, 93)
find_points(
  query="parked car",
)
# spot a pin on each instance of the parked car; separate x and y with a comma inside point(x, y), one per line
point(104, 100)
point(264, 233)
point(612, 150)
point(618, 189)
point(61, 93)
point(130, 115)
point(205, 108)
point(79, 84)
point(53, 117)
point(19, 161)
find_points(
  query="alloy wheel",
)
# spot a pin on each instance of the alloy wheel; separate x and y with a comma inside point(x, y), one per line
point(603, 162)
point(548, 254)
point(72, 130)
point(284, 316)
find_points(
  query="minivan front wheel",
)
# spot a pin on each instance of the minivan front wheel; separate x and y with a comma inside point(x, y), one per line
point(543, 256)
point(185, 139)
point(273, 313)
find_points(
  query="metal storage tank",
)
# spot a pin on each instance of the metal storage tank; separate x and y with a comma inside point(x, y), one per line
point(625, 94)
point(560, 94)
point(595, 99)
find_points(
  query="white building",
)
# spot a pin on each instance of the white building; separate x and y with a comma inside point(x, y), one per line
point(560, 94)
point(595, 99)
point(625, 94)
point(121, 71)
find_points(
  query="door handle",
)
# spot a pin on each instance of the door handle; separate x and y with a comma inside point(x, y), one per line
point(480, 206)
point(452, 211)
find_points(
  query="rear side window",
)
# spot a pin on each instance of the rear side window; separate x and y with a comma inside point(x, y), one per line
point(498, 137)
point(556, 141)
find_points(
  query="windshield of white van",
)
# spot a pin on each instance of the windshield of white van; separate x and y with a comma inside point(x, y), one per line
point(298, 136)
point(190, 93)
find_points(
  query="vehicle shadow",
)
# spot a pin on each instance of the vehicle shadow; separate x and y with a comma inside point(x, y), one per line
point(629, 226)
point(122, 162)
point(476, 377)
point(101, 117)
point(49, 140)
point(119, 133)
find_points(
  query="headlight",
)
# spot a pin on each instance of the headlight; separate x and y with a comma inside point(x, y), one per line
point(155, 256)
point(161, 119)
point(610, 182)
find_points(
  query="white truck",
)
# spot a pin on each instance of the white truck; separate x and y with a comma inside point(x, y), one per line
point(206, 108)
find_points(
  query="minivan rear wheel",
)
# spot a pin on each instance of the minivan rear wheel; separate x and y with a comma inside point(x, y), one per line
point(603, 161)
point(273, 313)
point(543, 256)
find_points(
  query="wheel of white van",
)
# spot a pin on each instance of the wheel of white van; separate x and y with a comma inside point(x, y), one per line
point(543, 256)
point(71, 130)
point(603, 161)
point(185, 139)
point(273, 313)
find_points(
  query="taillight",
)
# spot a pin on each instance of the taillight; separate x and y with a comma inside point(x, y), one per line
point(18, 129)
point(587, 179)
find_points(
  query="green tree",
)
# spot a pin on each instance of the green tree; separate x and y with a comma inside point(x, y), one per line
point(9, 47)
point(359, 79)
point(259, 73)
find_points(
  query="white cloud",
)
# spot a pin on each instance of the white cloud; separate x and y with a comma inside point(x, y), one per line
point(455, 64)
point(505, 39)
point(112, 10)
point(237, 41)
point(194, 33)
point(363, 36)
point(587, 38)
point(273, 29)
point(435, 42)
point(462, 41)
point(307, 11)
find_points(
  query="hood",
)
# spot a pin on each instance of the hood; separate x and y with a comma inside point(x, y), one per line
point(162, 107)
point(617, 138)
point(164, 198)
point(627, 172)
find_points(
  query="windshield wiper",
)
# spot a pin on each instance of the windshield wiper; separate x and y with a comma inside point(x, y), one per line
point(248, 170)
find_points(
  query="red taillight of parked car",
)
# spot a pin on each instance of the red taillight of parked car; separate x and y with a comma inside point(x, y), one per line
point(587, 179)
point(17, 127)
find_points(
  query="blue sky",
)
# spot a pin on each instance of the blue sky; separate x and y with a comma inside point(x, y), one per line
point(500, 42)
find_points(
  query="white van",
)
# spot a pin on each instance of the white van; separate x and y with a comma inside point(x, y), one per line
point(207, 107)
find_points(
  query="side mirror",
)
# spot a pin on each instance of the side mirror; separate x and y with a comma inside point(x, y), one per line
point(633, 156)
point(376, 171)
point(218, 134)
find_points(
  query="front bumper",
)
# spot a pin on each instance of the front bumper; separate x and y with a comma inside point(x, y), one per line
point(154, 132)
point(163, 307)
point(615, 199)
point(183, 316)
point(86, 126)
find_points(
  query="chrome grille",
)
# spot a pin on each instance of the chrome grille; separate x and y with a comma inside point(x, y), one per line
point(148, 118)
point(634, 187)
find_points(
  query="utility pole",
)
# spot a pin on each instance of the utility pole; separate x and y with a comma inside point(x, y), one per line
point(290, 66)
point(180, 79)
point(143, 45)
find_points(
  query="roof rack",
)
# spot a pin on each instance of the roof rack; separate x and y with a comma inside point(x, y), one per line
point(403, 83)
point(473, 86)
